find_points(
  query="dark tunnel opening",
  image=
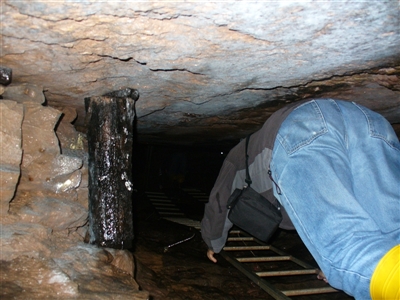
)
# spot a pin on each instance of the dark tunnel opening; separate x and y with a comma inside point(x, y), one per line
point(167, 175)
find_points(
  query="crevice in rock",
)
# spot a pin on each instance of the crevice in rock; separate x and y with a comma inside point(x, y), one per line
point(67, 44)
point(44, 17)
point(129, 58)
point(347, 79)
point(152, 112)
point(118, 58)
point(176, 70)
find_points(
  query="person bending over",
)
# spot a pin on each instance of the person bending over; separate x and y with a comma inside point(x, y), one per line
point(335, 170)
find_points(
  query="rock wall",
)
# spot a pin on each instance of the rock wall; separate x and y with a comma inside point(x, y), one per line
point(11, 151)
point(44, 208)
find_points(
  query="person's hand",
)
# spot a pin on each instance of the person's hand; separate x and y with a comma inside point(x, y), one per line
point(210, 255)
point(321, 276)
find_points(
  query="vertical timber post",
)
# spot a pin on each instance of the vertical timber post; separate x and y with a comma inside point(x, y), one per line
point(110, 127)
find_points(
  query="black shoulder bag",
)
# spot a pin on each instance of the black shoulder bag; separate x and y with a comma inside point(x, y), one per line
point(252, 212)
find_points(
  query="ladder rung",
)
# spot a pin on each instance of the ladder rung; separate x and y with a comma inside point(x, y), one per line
point(244, 248)
point(155, 193)
point(170, 213)
point(310, 291)
point(235, 232)
point(264, 258)
point(265, 285)
point(161, 200)
point(240, 239)
point(287, 273)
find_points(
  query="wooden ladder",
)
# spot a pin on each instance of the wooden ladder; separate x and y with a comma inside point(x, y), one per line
point(253, 251)
point(242, 250)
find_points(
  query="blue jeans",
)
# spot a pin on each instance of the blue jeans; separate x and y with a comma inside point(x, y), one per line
point(337, 165)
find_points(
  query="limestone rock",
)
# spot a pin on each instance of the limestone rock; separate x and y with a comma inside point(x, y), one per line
point(202, 68)
point(38, 130)
point(85, 176)
point(40, 142)
point(83, 190)
point(72, 142)
point(54, 213)
point(123, 260)
point(23, 239)
point(69, 114)
point(63, 164)
point(92, 267)
point(11, 115)
point(42, 162)
point(24, 93)
point(66, 182)
point(83, 195)
point(58, 274)
point(42, 254)
point(41, 279)
point(8, 182)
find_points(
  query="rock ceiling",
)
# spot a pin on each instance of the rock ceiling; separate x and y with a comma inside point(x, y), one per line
point(207, 72)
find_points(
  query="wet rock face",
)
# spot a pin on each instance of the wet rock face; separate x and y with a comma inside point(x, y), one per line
point(44, 209)
point(206, 71)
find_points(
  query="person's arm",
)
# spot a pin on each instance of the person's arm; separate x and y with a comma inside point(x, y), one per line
point(214, 226)
point(219, 243)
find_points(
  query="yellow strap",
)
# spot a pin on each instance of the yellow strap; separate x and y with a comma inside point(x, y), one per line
point(385, 281)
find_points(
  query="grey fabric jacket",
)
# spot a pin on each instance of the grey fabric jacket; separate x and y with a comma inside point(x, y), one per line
point(215, 224)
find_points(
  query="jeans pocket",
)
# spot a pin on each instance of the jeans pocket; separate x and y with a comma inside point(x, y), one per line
point(380, 128)
point(301, 127)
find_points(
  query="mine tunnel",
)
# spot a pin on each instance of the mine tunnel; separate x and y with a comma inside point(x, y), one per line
point(176, 182)
point(117, 118)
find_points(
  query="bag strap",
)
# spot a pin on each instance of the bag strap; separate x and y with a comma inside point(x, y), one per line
point(248, 179)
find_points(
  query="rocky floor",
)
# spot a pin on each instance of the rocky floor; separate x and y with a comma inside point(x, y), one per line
point(184, 272)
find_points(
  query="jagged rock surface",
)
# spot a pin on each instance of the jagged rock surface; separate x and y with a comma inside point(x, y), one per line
point(210, 71)
point(11, 114)
point(44, 206)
